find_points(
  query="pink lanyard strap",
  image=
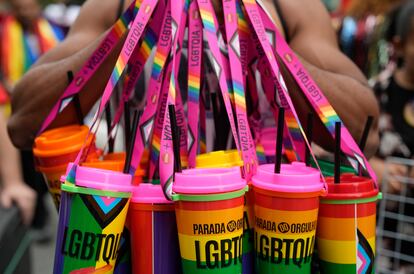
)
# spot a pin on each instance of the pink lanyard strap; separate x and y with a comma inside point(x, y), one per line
point(153, 95)
point(159, 121)
point(318, 100)
point(166, 99)
point(236, 50)
point(92, 64)
point(195, 55)
point(265, 49)
point(273, 97)
point(131, 42)
point(139, 59)
point(166, 159)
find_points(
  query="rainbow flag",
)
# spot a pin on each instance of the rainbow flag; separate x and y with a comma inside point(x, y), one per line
point(17, 53)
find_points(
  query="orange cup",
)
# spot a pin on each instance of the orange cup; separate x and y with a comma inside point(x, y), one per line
point(55, 148)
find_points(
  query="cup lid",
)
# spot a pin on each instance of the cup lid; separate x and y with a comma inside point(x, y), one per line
point(208, 181)
point(149, 194)
point(112, 161)
point(295, 177)
point(61, 140)
point(350, 187)
point(101, 179)
point(218, 159)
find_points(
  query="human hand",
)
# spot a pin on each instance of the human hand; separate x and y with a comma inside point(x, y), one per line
point(23, 196)
point(392, 171)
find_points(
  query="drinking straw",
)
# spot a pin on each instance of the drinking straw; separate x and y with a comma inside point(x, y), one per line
point(76, 101)
point(108, 117)
point(309, 135)
point(364, 138)
point(279, 139)
point(127, 125)
point(176, 138)
point(337, 172)
point(130, 149)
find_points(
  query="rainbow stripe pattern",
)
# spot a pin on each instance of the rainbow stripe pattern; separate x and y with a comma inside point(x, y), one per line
point(346, 238)
point(154, 239)
point(208, 20)
point(284, 233)
point(209, 241)
point(17, 56)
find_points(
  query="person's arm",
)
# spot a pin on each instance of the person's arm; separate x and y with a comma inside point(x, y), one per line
point(314, 40)
point(37, 92)
point(13, 188)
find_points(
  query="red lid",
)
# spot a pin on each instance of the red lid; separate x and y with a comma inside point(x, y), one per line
point(350, 187)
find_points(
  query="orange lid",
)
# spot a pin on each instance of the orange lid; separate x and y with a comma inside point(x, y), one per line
point(61, 140)
point(106, 164)
point(116, 156)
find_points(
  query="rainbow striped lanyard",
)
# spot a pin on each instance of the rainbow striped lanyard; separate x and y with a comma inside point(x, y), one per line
point(195, 56)
point(146, 123)
point(238, 52)
point(268, 84)
point(132, 41)
point(93, 63)
point(179, 12)
point(317, 99)
point(264, 50)
point(166, 98)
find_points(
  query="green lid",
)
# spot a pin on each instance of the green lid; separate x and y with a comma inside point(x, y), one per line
point(327, 168)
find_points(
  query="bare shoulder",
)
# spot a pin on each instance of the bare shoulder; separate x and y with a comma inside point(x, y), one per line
point(307, 16)
point(97, 15)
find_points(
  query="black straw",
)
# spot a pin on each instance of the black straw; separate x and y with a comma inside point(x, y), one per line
point(337, 172)
point(108, 117)
point(130, 149)
point(176, 138)
point(309, 135)
point(127, 125)
point(364, 138)
point(279, 139)
point(76, 101)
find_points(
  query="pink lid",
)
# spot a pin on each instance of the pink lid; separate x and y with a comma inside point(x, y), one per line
point(149, 194)
point(208, 181)
point(101, 179)
point(295, 177)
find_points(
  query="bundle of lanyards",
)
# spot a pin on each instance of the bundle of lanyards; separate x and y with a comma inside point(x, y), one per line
point(246, 45)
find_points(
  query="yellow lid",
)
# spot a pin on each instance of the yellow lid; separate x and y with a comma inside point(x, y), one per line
point(217, 159)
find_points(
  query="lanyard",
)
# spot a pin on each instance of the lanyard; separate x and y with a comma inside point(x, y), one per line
point(318, 100)
point(92, 64)
point(131, 42)
point(153, 95)
point(264, 50)
point(195, 54)
point(237, 53)
point(179, 12)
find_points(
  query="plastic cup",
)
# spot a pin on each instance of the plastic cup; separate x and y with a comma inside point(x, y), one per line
point(209, 211)
point(286, 215)
point(231, 158)
point(153, 226)
point(91, 221)
point(55, 149)
point(346, 229)
point(219, 159)
point(123, 264)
